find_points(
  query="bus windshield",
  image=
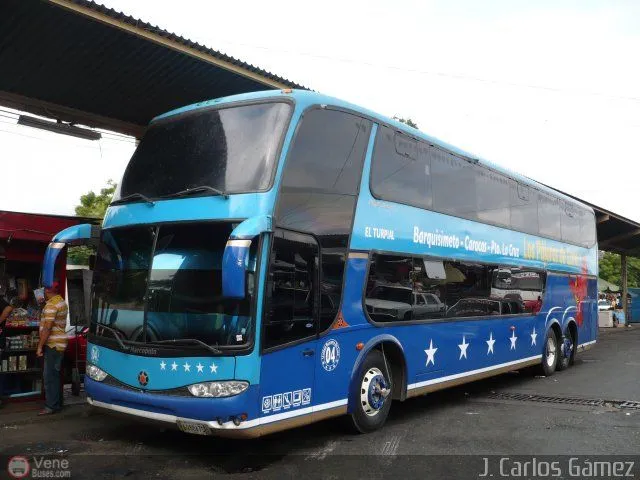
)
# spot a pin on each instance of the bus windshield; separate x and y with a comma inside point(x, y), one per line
point(232, 150)
point(159, 283)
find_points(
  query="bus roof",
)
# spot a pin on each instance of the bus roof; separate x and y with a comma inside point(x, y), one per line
point(312, 98)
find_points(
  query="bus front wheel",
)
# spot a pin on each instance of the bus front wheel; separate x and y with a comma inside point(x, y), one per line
point(373, 399)
point(550, 354)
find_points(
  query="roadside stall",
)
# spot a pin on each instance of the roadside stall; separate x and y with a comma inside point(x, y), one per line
point(610, 312)
point(23, 242)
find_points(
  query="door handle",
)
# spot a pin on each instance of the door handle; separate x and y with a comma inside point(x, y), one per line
point(308, 352)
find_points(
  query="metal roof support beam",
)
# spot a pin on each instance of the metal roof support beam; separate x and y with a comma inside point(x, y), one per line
point(624, 277)
point(624, 236)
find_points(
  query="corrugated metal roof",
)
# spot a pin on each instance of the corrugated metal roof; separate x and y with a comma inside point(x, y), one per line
point(79, 61)
point(135, 22)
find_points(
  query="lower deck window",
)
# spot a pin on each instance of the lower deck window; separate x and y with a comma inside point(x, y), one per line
point(402, 288)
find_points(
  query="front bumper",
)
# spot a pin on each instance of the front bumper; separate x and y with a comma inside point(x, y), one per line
point(213, 416)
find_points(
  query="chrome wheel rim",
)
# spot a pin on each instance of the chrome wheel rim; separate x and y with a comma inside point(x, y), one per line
point(551, 352)
point(373, 392)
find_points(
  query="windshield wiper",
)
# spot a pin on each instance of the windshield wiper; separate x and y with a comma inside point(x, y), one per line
point(132, 196)
point(201, 188)
point(190, 340)
point(115, 334)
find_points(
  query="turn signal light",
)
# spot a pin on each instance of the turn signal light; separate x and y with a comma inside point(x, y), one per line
point(359, 346)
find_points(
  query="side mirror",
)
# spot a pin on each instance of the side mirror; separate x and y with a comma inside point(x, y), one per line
point(235, 260)
point(76, 235)
point(234, 268)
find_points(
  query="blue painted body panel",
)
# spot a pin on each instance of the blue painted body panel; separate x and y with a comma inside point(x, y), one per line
point(304, 378)
point(163, 373)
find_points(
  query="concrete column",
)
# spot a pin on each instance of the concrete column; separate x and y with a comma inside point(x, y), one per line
point(623, 278)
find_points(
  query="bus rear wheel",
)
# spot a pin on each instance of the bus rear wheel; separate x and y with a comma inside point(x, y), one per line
point(550, 353)
point(373, 399)
point(567, 350)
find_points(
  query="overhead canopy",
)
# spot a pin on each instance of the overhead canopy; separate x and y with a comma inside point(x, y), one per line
point(615, 233)
point(604, 286)
point(78, 61)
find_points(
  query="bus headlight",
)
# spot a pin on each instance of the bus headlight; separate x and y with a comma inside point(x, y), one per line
point(95, 373)
point(218, 389)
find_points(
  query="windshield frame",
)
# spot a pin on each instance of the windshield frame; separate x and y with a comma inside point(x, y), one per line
point(116, 200)
point(180, 349)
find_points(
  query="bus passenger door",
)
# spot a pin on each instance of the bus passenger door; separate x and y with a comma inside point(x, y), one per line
point(290, 326)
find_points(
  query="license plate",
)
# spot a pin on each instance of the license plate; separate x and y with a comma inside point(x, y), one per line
point(192, 427)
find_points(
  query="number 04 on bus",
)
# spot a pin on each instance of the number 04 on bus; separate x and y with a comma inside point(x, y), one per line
point(276, 258)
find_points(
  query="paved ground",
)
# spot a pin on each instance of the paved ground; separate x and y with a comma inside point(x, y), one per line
point(421, 435)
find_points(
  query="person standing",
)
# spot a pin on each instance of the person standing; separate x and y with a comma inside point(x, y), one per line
point(53, 342)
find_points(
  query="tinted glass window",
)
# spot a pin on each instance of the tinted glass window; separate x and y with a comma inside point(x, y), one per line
point(404, 288)
point(494, 196)
point(549, 215)
point(401, 169)
point(185, 299)
point(327, 153)
point(588, 228)
point(570, 224)
point(120, 280)
point(454, 186)
point(389, 293)
point(173, 292)
point(524, 209)
point(231, 149)
point(319, 191)
point(292, 289)
point(414, 172)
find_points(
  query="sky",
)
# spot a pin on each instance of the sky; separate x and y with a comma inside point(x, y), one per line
point(547, 88)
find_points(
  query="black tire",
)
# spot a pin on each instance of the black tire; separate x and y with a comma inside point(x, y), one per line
point(370, 370)
point(550, 354)
point(568, 342)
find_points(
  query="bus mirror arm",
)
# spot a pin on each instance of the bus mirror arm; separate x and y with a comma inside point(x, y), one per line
point(235, 258)
point(75, 235)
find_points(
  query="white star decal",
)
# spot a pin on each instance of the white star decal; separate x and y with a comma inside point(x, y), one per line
point(534, 335)
point(431, 353)
point(463, 348)
point(513, 339)
point(174, 366)
point(187, 367)
point(163, 365)
point(214, 368)
point(199, 367)
point(490, 343)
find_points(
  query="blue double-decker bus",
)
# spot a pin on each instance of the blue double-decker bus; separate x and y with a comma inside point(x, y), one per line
point(276, 258)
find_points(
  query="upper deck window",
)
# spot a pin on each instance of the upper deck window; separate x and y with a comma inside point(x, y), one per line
point(414, 172)
point(231, 149)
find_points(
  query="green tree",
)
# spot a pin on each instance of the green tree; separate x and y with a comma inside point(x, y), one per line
point(406, 121)
point(91, 205)
point(611, 270)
